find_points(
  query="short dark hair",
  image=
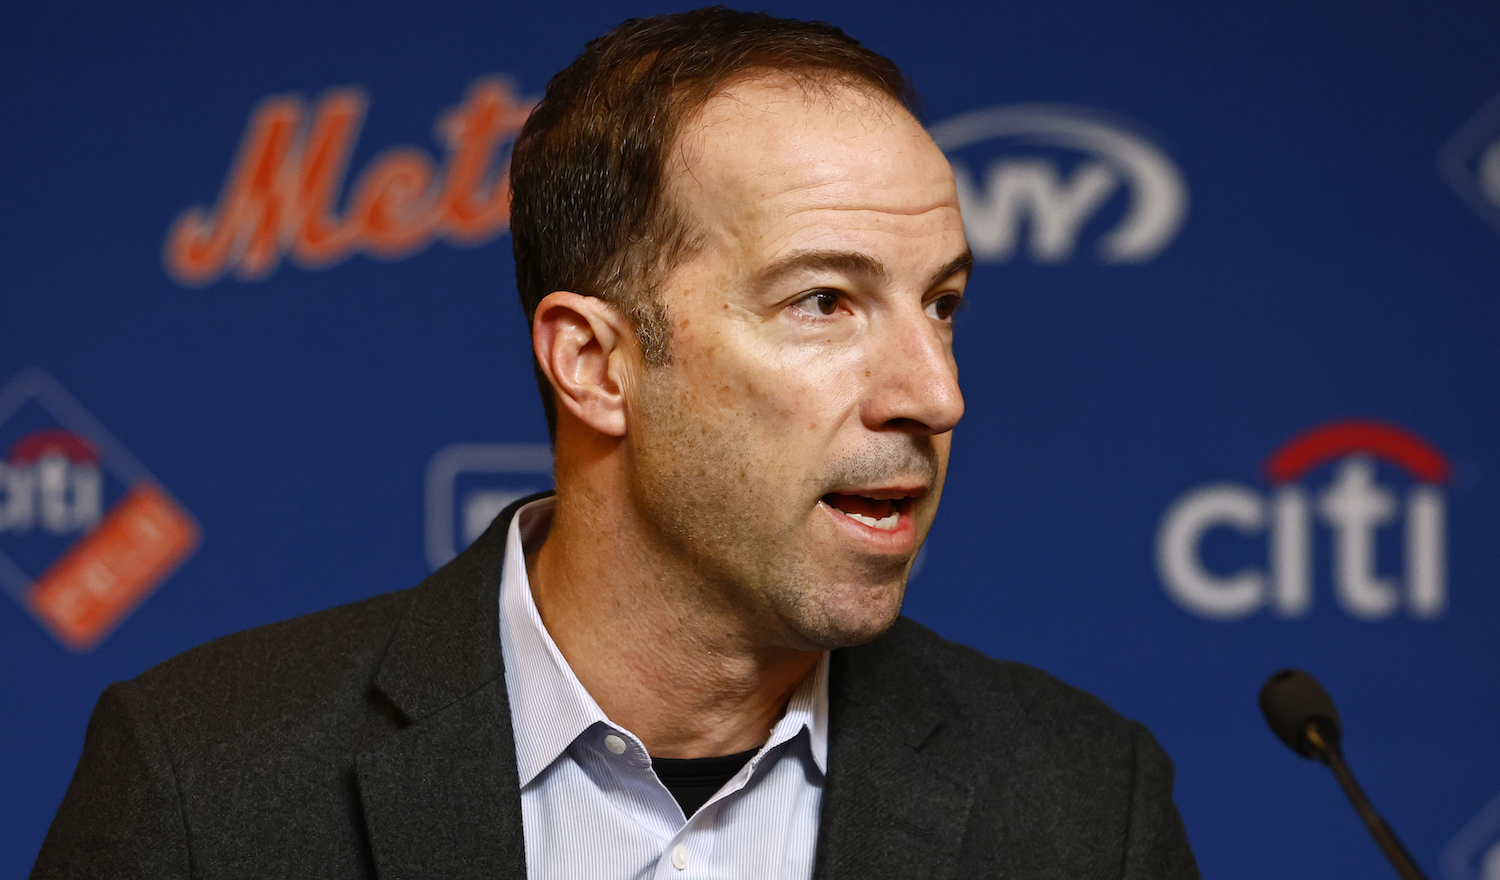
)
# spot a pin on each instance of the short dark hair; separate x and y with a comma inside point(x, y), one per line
point(589, 212)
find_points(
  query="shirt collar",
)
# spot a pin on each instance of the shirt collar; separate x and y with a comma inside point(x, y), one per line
point(549, 706)
point(807, 709)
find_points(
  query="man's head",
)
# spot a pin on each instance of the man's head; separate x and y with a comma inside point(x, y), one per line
point(591, 211)
point(783, 464)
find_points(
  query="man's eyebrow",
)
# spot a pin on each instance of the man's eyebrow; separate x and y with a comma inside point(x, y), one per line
point(963, 263)
point(851, 263)
point(843, 262)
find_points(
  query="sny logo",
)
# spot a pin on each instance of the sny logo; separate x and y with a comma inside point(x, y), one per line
point(283, 190)
point(1061, 171)
point(86, 534)
point(1192, 549)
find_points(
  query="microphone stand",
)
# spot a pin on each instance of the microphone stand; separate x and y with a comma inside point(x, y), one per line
point(1329, 752)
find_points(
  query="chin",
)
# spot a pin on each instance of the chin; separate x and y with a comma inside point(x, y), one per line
point(847, 634)
point(849, 623)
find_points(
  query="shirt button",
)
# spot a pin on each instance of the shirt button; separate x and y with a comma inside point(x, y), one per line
point(679, 857)
point(614, 744)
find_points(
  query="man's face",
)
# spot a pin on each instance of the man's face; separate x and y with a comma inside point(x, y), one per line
point(792, 454)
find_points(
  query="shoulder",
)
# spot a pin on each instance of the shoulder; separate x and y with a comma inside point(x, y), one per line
point(962, 702)
point(912, 657)
point(295, 673)
point(333, 677)
point(1061, 784)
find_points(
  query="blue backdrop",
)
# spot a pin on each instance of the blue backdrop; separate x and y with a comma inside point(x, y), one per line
point(1231, 363)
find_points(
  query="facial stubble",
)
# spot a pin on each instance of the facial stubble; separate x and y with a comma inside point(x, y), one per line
point(737, 546)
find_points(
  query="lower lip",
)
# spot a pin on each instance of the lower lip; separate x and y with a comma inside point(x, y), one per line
point(901, 539)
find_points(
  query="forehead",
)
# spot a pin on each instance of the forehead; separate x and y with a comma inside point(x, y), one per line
point(773, 146)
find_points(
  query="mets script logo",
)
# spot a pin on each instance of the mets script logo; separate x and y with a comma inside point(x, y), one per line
point(1057, 175)
point(283, 193)
point(86, 534)
point(1225, 550)
point(1470, 162)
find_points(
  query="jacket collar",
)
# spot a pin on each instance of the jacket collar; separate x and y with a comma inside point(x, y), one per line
point(892, 806)
point(441, 796)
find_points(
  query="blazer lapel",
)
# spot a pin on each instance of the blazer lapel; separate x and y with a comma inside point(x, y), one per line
point(890, 809)
point(441, 795)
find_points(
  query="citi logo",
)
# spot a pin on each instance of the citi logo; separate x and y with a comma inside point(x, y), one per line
point(86, 533)
point(282, 194)
point(1056, 174)
point(50, 482)
point(1220, 521)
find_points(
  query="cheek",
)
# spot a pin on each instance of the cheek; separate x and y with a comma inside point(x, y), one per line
point(789, 393)
point(806, 397)
point(769, 403)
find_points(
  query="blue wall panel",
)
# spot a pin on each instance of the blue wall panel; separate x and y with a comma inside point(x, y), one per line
point(1205, 230)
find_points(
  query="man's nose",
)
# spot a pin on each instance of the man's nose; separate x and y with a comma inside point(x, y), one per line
point(912, 381)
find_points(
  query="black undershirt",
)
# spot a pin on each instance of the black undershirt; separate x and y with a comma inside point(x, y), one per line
point(692, 781)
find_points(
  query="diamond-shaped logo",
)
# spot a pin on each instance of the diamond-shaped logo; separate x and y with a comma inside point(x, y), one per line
point(1470, 162)
point(86, 533)
point(1474, 853)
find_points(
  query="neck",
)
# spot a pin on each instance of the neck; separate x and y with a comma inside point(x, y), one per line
point(658, 655)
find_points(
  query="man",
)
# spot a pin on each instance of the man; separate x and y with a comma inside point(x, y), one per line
point(740, 255)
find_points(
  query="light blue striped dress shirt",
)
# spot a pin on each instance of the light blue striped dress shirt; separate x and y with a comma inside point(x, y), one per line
point(592, 807)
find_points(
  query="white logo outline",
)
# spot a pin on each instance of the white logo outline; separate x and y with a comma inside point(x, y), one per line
point(1477, 843)
point(1478, 138)
point(452, 460)
point(1159, 193)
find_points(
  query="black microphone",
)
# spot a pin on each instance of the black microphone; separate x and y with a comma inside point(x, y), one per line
point(1301, 713)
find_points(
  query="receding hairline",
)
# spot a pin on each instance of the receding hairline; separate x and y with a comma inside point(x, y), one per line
point(811, 83)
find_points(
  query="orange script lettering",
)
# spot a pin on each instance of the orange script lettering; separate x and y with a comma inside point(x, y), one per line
point(282, 194)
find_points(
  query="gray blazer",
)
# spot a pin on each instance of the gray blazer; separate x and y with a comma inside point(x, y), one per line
point(375, 740)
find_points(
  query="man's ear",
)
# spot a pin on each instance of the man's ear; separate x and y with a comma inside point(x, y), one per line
point(584, 345)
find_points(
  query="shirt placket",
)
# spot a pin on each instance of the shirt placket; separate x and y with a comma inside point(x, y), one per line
point(651, 806)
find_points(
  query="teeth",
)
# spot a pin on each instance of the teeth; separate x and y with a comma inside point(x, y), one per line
point(885, 524)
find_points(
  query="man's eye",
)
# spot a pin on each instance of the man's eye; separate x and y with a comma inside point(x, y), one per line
point(943, 307)
point(819, 302)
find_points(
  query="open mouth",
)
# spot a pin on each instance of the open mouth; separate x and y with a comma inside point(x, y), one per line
point(877, 513)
